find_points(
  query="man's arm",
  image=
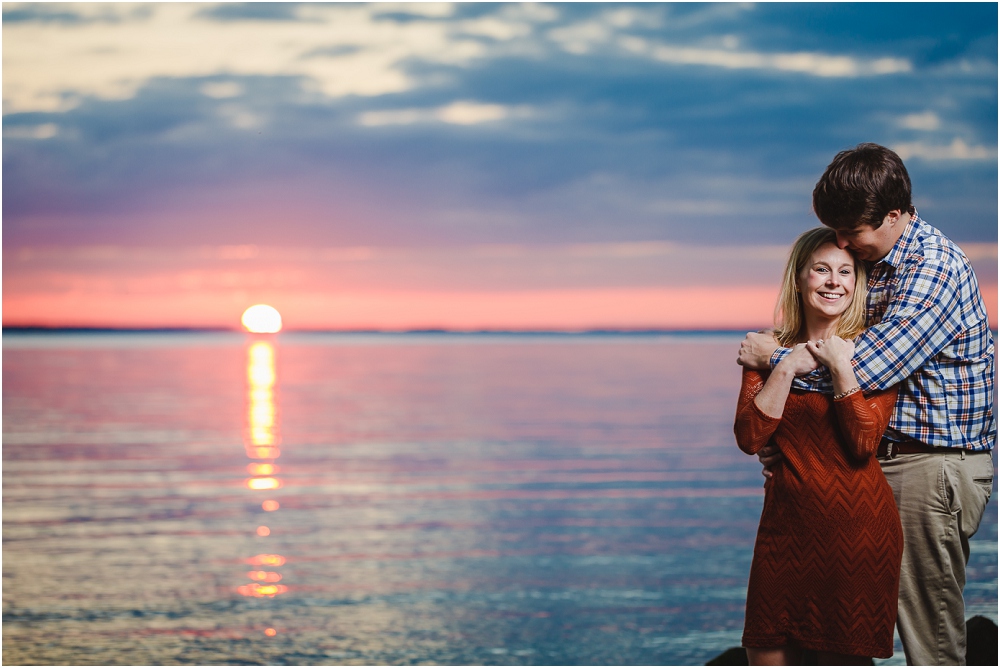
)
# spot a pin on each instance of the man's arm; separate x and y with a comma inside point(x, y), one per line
point(922, 317)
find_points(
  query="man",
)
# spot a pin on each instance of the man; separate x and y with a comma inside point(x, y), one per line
point(928, 332)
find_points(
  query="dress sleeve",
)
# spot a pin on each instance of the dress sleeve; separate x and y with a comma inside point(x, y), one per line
point(863, 420)
point(753, 427)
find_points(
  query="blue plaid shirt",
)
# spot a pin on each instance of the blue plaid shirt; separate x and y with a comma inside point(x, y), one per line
point(927, 329)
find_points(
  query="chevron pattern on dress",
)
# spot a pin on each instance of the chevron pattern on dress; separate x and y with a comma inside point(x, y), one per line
point(825, 571)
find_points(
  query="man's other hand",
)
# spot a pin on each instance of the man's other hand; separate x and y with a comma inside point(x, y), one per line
point(756, 350)
point(769, 456)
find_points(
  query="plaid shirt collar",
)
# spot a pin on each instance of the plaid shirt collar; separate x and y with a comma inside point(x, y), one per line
point(906, 242)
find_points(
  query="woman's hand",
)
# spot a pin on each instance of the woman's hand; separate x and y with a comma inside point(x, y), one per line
point(834, 353)
point(771, 399)
point(800, 361)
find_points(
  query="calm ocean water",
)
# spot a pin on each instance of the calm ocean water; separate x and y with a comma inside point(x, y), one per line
point(325, 499)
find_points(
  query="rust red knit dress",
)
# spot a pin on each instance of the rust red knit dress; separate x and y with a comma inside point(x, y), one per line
point(825, 572)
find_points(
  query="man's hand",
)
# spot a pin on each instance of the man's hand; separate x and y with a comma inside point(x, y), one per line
point(756, 350)
point(769, 456)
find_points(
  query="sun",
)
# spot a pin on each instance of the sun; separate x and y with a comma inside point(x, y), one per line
point(262, 319)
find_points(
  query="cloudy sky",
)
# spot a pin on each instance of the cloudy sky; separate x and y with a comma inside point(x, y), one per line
point(474, 165)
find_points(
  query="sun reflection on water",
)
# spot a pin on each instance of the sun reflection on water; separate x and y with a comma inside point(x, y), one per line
point(263, 452)
point(262, 414)
point(263, 483)
point(267, 560)
point(261, 591)
point(262, 439)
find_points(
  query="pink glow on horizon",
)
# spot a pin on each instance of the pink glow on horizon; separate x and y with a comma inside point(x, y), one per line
point(570, 287)
point(694, 308)
point(690, 307)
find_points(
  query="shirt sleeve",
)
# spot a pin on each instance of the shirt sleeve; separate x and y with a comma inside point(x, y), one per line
point(817, 380)
point(753, 427)
point(923, 316)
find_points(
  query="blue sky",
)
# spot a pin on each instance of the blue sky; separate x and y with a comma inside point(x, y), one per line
point(433, 126)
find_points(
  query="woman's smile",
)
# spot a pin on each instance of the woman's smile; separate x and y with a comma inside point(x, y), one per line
point(827, 282)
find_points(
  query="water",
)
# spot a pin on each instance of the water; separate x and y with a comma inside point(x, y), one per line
point(442, 499)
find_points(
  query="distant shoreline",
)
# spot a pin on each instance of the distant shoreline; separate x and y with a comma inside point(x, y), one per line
point(393, 332)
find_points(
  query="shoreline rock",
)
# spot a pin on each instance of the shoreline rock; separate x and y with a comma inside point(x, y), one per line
point(981, 650)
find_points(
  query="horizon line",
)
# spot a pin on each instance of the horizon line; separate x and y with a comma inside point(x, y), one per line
point(45, 329)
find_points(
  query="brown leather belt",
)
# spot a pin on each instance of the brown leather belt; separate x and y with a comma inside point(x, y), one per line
point(910, 446)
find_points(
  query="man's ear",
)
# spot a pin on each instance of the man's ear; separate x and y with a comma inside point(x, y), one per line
point(893, 217)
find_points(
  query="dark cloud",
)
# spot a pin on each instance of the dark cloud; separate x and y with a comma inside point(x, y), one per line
point(924, 32)
point(332, 51)
point(251, 11)
point(66, 15)
point(606, 146)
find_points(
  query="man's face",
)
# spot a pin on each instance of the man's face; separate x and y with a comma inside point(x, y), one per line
point(868, 243)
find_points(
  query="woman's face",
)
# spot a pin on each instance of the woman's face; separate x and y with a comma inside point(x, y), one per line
point(827, 282)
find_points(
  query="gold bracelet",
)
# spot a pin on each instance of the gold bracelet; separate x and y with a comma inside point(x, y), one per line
point(838, 397)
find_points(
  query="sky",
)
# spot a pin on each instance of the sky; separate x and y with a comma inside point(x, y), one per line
point(469, 166)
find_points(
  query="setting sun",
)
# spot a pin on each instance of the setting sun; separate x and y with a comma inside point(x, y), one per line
point(262, 319)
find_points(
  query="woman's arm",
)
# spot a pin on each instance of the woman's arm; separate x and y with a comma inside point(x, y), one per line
point(863, 420)
point(761, 403)
point(771, 398)
point(753, 427)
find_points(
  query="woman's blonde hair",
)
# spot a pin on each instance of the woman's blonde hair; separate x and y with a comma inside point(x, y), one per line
point(789, 321)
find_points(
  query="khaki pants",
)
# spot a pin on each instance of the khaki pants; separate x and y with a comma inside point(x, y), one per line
point(941, 499)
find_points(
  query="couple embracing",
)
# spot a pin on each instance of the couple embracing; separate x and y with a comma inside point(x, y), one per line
point(871, 407)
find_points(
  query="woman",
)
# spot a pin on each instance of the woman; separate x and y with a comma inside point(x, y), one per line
point(825, 572)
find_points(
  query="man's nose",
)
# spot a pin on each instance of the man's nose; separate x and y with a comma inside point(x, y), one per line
point(841, 241)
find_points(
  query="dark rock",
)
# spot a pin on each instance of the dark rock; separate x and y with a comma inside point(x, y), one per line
point(737, 656)
point(980, 631)
point(981, 634)
point(734, 656)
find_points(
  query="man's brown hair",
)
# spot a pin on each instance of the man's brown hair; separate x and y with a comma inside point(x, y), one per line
point(860, 186)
